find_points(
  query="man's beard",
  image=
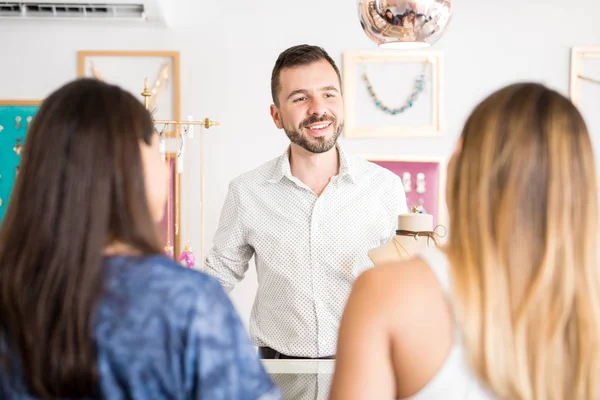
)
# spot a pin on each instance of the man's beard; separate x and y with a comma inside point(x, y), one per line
point(319, 144)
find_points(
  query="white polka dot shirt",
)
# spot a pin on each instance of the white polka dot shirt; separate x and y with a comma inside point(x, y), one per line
point(308, 249)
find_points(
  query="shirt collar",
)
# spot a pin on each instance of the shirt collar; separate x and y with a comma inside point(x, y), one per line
point(283, 168)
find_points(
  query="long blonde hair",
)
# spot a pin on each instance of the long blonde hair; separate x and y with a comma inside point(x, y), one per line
point(523, 211)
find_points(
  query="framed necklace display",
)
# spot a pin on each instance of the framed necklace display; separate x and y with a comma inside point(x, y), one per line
point(162, 68)
point(15, 117)
point(423, 179)
point(393, 94)
point(584, 88)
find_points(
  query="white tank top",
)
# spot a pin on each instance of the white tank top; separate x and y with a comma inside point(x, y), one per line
point(454, 380)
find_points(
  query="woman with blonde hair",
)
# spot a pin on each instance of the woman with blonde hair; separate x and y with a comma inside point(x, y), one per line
point(510, 307)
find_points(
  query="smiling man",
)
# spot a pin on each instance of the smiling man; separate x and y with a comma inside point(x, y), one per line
point(309, 216)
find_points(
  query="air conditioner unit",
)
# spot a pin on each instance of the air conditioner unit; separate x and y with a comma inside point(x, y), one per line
point(99, 10)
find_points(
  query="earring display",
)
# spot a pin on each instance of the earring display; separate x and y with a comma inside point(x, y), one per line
point(421, 183)
point(15, 116)
point(422, 179)
point(17, 148)
point(406, 181)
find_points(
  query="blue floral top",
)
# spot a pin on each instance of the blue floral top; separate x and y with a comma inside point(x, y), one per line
point(167, 332)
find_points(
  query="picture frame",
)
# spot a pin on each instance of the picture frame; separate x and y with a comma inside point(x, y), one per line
point(130, 69)
point(371, 82)
point(584, 85)
point(15, 116)
point(433, 182)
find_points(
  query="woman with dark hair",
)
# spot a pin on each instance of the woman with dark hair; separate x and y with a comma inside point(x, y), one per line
point(89, 306)
point(391, 18)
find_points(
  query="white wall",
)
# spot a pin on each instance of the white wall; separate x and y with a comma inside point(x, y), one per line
point(226, 66)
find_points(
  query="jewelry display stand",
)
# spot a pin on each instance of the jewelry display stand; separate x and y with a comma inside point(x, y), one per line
point(415, 233)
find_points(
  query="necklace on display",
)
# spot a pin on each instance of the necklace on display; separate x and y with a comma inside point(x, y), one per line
point(418, 88)
point(400, 249)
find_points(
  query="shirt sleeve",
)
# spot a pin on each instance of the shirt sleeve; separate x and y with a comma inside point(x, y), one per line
point(402, 203)
point(228, 259)
point(221, 361)
point(400, 206)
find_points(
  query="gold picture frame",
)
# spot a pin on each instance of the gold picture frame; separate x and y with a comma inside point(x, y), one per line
point(357, 103)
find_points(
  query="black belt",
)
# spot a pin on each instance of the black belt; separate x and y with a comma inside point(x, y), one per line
point(271, 354)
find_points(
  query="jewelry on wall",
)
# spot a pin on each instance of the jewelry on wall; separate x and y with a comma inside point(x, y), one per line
point(18, 122)
point(17, 148)
point(187, 257)
point(418, 88)
point(1, 128)
point(421, 183)
point(169, 251)
point(406, 181)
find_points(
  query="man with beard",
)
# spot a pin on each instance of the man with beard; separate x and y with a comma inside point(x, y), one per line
point(309, 216)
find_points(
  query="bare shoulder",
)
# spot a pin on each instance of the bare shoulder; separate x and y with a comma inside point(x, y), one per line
point(405, 301)
point(395, 332)
point(402, 284)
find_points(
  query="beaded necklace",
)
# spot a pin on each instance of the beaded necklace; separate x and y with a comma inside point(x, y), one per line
point(412, 98)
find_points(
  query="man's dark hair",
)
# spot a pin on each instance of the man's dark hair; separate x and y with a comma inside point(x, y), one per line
point(295, 56)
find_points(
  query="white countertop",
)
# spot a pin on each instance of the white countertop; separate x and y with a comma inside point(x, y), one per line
point(299, 366)
point(301, 379)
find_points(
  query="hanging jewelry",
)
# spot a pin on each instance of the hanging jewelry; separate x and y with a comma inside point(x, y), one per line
point(18, 122)
point(407, 182)
point(421, 183)
point(1, 128)
point(401, 250)
point(187, 257)
point(169, 247)
point(419, 85)
point(17, 148)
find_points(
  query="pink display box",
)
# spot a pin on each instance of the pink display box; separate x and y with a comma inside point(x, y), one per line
point(430, 200)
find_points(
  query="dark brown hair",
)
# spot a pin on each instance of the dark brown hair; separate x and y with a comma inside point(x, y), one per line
point(296, 56)
point(80, 187)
